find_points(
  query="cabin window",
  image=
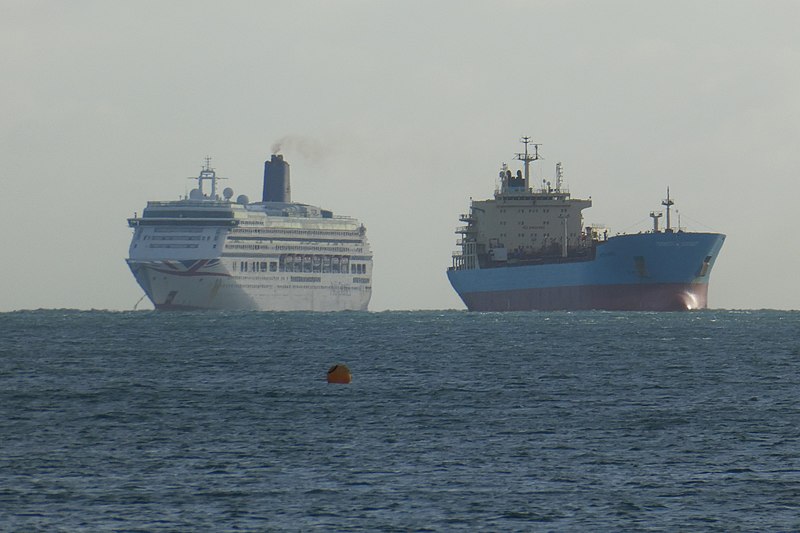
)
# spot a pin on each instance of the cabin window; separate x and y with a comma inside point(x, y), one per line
point(273, 266)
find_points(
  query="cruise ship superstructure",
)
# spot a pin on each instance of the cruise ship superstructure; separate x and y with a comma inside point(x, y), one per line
point(207, 251)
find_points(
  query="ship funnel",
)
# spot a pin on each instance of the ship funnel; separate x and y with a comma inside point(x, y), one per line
point(276, 180)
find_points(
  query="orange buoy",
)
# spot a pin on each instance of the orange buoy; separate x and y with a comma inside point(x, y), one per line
point(339, 374)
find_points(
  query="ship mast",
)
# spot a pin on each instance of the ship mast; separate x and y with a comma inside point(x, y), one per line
point(207, 173)
point(668, 203)
point(655, 216)
point(526, 158)
point(559, 176)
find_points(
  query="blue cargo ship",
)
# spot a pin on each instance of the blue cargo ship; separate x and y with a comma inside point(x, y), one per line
point(528, 249)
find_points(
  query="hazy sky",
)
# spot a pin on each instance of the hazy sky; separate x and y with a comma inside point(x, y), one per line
point(397, 112)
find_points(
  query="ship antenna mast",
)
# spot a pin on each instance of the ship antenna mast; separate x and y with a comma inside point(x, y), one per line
point(559, 176)
point(207, 173)
point(668, 203)
point(526, 158)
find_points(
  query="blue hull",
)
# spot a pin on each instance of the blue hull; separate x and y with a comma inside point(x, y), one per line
point(649, 271)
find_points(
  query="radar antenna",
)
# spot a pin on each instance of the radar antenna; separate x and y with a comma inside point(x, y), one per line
point(526, 158)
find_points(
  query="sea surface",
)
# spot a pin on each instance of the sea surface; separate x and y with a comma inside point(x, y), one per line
point(589, 421)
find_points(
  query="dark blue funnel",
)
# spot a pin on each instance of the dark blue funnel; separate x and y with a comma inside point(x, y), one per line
point(276, 180)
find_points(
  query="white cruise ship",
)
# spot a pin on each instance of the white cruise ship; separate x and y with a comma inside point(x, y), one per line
point(210, 252)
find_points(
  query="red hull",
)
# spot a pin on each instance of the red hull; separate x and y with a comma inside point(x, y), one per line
point(629, 297)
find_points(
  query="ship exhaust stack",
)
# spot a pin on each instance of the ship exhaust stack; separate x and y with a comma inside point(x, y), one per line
point(276, 180)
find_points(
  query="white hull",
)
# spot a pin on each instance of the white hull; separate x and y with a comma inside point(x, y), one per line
point(210, 285)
